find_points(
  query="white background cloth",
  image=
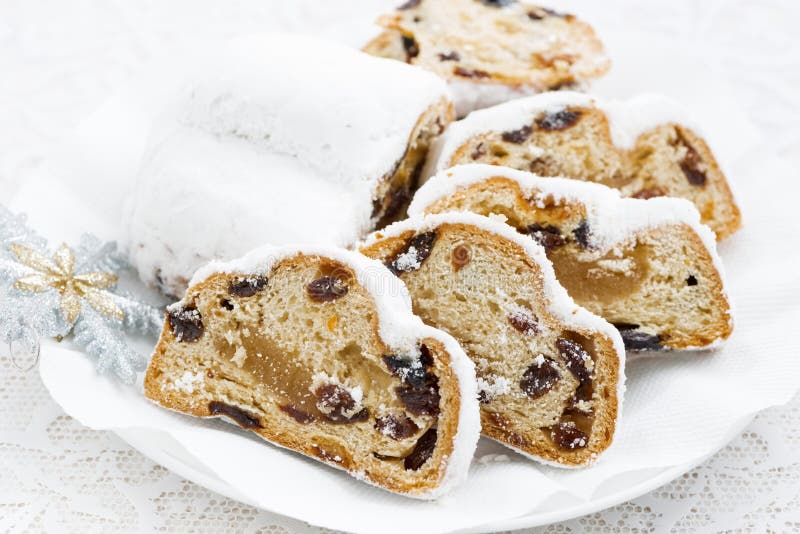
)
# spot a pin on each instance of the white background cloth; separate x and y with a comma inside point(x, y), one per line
point(59, 60)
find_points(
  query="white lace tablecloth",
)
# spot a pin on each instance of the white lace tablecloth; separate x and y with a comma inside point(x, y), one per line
point(59, 60)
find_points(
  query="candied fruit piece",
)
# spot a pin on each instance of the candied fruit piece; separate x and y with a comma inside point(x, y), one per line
point(327, 288)
point(423, 450)
point(460, 257)
point(242, 417)
point(185, 322)
point(539, 378)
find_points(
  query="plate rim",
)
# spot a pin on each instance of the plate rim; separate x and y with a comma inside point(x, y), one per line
point(138, 440)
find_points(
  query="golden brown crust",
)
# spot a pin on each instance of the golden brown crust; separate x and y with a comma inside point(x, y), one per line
point(340, 445)
point(434, 291)
point(669, 160)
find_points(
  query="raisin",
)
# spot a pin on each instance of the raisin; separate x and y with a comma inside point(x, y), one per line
point(326, 289)
point(517, 136)
point(460, 257)
point(297, 414)
point(242, 417)
point(483, 397)
point(411, 47)
point(471, 73)
point(637, 340)
point(558, 120)
point(395, 427)
point(414, 373)
point(420, 389)
point(450, 55)
point(423, 450)
point(583, 235)
point(649, 192)
point(524, 321)
point(425, 356)
point(691, 281)
point(690, 164)
point(498, 3)
point(413, 254)
point(335, 402)
point(575, 357)
point(409, 5)
point(225, 303)
point(539, 378)
point(421, 400)
point(186, 323)
point(548, 236)
point(479, 151)
point(569, 437)
point(247, 286)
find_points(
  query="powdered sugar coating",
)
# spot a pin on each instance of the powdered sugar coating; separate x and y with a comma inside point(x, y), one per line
point(398, 327)
point(469, 96)
point(264, 146)
point(613, 218)
point(558, 302)
point(628, 119)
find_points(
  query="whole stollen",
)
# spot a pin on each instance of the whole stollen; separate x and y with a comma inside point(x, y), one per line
point(550, 373)
point(316, 349)
point(491, 51)
point(319, 145)
point(650, 267)
point(647, 146)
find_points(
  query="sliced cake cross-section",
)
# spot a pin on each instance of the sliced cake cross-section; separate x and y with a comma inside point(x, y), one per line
point(647, 266)
point(550, 373)
point(317, 350)
point(646, 147)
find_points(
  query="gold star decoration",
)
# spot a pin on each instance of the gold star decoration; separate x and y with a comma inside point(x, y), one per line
point(59, 274)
